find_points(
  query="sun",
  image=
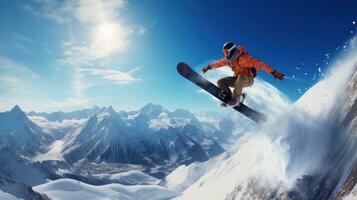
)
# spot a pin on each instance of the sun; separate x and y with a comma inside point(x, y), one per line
point(108, 38)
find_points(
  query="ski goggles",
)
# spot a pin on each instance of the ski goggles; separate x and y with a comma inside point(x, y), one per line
point(227, 51)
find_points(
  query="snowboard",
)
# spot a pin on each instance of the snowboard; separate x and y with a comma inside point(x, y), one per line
point(187, 72)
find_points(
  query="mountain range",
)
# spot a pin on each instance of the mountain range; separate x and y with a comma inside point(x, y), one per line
point(152, 139)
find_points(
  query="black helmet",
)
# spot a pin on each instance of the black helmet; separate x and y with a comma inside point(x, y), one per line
point(228, 45)
point(229, 49)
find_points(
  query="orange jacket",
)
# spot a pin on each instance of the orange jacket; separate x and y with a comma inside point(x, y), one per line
point(242, 63)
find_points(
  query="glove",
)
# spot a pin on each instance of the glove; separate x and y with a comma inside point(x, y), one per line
point(278, 75)
point(205, 69)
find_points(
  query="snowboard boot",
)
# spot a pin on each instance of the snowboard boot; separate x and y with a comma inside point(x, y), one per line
point(233, 101)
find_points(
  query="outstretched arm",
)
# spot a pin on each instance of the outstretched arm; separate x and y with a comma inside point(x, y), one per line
point(248, 61)
point(262, 66)
point(217, 64)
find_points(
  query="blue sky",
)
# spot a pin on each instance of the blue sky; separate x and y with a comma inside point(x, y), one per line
point(65, 55)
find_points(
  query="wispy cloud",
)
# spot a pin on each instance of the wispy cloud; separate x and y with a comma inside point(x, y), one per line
point(54, 10)
point(15, 84)
point(85, 67)
point(22, 43)
point(142, 30)
point(116, 76)
point(23, 38)
point(22, 48)
point(10, 68)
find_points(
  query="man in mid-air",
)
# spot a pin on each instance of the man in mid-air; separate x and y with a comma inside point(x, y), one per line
point(245, 69)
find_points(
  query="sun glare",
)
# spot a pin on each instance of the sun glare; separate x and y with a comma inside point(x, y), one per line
point(108, 37)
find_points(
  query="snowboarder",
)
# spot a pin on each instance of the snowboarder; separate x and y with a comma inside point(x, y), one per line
point(245, 69)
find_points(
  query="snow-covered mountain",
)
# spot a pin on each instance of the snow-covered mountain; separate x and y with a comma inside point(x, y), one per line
point(19, 133)
point(18, 175)
point(151, 138)
point(20, 141)
point(104, 137)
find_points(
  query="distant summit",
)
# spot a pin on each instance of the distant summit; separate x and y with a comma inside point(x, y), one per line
point(60, 116)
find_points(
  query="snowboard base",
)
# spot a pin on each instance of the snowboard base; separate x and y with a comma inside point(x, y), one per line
point(187, 72)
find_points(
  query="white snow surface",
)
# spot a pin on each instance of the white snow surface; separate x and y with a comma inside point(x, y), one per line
point(184, 176)
point(254, 155)
point(352, 195)
point(71, 189)
point(7, 196)
point(323, 94)
point(54, 152)
point(133, 177)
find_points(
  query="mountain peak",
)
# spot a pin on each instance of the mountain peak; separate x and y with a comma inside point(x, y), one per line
point(13, 116)
point(151, 107)
point(16, 109)
point(109, 110)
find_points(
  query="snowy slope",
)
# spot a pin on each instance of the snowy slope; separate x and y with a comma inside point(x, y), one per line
point(7, 196)
point(132, 177)
point(254, 156)
point(18, 174)
point(185, 175)
point(352, 195)
point(53, 153)
point(307, 152)
point(72, 189)
point(323, 95)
